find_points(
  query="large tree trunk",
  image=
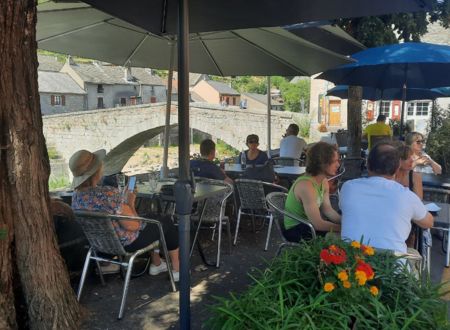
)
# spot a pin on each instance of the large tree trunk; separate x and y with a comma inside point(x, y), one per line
point(30, 246)
point(354, 126)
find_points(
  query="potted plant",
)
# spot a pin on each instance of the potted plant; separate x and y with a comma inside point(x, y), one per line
point(332, 284)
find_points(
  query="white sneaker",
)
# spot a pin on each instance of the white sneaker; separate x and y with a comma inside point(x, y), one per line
point(176, 276)
point(155, 270)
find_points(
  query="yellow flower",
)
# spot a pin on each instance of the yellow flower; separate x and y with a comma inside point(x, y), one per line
point(374, 290)
point(328, 287)
point(347, 284)
point(343, 276)
point(369, 250)
point(356, 244)
point(361, 277)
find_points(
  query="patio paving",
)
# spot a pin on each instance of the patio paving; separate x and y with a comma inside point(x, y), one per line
point(151, 304)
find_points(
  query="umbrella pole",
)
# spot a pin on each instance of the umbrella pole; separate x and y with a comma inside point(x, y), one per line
point(402, 114)
point(165, 171)
point(269, 116)
point(183, 192)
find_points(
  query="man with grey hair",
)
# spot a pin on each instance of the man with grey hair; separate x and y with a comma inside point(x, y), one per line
point(378, 210)
point(291, 145)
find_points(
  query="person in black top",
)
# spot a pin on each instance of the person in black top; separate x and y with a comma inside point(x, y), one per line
point(205, 167)
point(253, 155)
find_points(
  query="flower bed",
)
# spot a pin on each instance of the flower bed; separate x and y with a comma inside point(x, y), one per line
point(331, 284)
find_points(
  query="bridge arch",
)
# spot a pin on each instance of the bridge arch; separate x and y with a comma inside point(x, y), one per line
point(106, 128)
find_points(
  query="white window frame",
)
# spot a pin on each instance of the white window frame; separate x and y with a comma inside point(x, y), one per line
point(422, 109)
point(385, 108)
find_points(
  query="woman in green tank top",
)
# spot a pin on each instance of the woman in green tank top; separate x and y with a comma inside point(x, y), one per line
point(309, 195)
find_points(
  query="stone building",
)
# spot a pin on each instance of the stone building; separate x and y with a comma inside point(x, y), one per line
point(215, 92)
point(59, 93)
point(259, 101)
point(110, 86)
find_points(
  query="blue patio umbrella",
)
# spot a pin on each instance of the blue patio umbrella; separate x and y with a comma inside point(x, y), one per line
point(374, 94)
point(407, 65)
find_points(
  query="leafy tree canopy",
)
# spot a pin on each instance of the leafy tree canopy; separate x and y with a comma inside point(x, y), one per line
point(390, 29)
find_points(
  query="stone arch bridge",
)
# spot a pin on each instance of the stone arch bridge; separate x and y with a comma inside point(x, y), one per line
point(106, 128)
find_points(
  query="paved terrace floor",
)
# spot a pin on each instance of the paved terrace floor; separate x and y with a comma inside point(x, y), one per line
point(151, 304)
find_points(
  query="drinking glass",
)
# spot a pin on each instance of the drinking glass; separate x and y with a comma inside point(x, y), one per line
point(120, 177)
point(153, 182)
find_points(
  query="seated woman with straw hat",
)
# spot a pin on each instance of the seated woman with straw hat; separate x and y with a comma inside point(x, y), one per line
point(87, 170)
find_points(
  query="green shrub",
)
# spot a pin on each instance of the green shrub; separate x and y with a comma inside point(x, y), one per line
point(290, 294)
point(58, 183)
point(438, 140)
point(304, 124)
point(53, 153)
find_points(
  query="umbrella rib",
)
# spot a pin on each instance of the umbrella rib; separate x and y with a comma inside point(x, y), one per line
point(210, 55)
point(76, 30)
point(270, 54)
point(135, 50)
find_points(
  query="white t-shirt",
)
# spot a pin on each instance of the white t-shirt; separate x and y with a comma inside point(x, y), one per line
point(292, 146)
point(380, 211)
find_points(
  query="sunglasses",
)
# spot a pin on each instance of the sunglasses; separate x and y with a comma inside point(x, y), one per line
point(420, 141)
point(252, 141)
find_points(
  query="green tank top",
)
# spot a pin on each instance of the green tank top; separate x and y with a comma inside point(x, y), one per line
point(295, 206)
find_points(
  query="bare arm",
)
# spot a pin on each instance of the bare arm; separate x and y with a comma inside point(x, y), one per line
point(128, 209)
point(305, 193)
point(437, 169)
point(327, 209)
point(426, 222)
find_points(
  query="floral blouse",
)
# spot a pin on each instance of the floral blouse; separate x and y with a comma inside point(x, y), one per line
point(104, 199)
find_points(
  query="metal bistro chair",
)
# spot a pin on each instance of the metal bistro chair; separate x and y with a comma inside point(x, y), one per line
point(287, 161)
point(213, 215)
point(102, 237)
point(253, 202)
point(438, 195)
point(276, 201)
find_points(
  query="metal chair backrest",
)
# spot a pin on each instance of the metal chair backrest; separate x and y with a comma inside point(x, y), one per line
point(286, 161)
point(214, 207)
point(375, 139)
point(436, 195)
point(341, 138)
point(100, 233)
point(252, 195)
point(276, 202)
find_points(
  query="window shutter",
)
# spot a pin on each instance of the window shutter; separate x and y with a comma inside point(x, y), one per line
point(63, 100)
point(52, 99)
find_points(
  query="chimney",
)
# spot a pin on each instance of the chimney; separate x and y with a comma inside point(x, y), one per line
point(127, 73)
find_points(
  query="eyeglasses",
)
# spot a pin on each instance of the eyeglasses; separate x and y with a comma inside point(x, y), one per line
point(420, 141)
point(252, 141)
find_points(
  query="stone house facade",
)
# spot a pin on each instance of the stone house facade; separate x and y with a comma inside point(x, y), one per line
point(216, 92)
point(110, 86)
point(59, 93)
point(259, 101)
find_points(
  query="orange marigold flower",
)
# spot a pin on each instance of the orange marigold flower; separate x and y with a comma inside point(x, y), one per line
point(347, 284)
point(367, 250)
point(328, 287)
point(343, 276)
point(333, 255)
point(374, 290)
point(366, 268)
point(361, 277)
point(356, 244)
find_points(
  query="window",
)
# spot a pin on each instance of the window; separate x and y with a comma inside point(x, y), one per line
point(385, 108)
point(123, 101)
point(99, 88)
point(410, 109)
point(58, 100)
point(422, 108)
point(100, 104)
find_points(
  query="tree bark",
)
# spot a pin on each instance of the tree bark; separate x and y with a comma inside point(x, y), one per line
point(30, 245)
point(354, 126)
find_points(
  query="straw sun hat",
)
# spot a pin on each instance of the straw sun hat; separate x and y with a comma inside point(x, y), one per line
point(83, 164)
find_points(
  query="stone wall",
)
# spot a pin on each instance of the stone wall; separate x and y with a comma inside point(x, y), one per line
point(106, 128)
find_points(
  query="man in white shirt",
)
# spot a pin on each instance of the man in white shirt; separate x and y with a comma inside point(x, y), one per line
point(291, 145)
point(379, 210)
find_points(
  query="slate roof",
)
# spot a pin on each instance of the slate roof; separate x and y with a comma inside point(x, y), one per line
point(114, 75)
point(222, 88)
point(49, 63)
point(194, 78)
point(261, 98)
point(58, 83)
